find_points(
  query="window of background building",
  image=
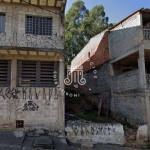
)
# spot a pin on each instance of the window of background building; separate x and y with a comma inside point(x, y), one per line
point(2, 22)
point(5, 73)
point(36, 73)
point(38, 25)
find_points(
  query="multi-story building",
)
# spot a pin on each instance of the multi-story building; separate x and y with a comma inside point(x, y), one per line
point(129, 69)
point(32, 64)
point(129, 45)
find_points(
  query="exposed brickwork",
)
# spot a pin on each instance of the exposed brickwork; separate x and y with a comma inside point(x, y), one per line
point(126, 81)
point(98, 87)
point(125, 36)
point(97, 55)
point(131, 107)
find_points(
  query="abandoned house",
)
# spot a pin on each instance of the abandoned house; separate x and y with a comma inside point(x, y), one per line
point(125, 71)
point(32, 64)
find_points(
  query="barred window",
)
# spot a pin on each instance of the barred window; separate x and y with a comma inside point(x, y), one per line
point(38, 25)
point(36, 73)
point(5, 73)
point(2, 22)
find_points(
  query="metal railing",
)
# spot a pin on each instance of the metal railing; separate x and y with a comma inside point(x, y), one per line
point(146, 33)
point(148, 79)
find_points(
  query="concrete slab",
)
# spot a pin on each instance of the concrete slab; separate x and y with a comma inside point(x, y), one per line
point(104, 147)
point(87, 145)
point(18, 141)
point(43, 142)
point(11, 140)
point(59, 143)
point(28, 143)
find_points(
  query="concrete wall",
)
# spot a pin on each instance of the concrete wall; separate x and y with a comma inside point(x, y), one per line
point(37, 107)
point(15, 35)
point(98, 79)
point(130, 106)
point(142, 134)
point(35, 111)
point(127, 101)
point(96, 133)
point(92, 133)
point(98, 84)
point(126, 81)
point(126, 37)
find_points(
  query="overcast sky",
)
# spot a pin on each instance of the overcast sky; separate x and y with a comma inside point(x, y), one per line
point(116, 10)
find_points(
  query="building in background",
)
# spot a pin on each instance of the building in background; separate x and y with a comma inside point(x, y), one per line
point(32, 64)
point(94, 58)
point(126, 72)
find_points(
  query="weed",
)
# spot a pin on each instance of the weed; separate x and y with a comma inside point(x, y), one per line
point(148, 145)
point(128, 125)
point(88, 118)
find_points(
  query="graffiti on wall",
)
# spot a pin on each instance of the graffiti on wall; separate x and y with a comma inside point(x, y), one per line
point(29, 41)
point(94, 132)
point(30, 106)
point(29, 93)
point(16, 37)
point(9, 93)
point(90, 130)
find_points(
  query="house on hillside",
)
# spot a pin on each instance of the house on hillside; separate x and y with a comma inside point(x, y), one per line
point(32, 64)
point(94, 58)
point(128, 75)
point(129, 59)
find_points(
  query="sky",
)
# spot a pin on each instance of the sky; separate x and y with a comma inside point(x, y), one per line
point(116, 10)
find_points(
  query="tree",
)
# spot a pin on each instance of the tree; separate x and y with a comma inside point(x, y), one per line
point(81, 25)
point(74, 37)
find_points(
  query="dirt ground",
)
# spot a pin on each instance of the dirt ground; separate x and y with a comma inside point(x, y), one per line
point(80, 108)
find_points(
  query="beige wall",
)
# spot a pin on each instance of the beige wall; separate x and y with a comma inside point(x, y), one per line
point(49, 105)
point(15, 27)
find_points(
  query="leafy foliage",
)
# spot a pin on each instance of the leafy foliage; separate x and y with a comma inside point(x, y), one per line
point(81, 25)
